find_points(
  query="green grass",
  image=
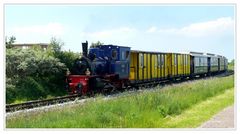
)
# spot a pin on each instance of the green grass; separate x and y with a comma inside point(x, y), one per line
point(204, 111)
point(149, 109)
point(230, 67)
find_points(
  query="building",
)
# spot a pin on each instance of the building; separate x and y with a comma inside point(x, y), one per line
point(30, 45)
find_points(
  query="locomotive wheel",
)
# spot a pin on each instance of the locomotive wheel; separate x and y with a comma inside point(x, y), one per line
point(91, 93)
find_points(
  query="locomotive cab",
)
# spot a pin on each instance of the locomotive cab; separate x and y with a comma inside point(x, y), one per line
point(111, 59)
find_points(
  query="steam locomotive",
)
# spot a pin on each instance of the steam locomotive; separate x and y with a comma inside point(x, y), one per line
point(112, 67)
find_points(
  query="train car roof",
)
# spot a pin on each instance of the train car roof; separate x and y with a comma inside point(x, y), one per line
point(196, 53)
point(205, 54)
point(140, 51)
point(111, 45)
point(154, 52)
point(199, 55)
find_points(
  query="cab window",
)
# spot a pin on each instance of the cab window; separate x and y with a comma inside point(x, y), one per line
point(124, 55)
point(114, 54)
point(127, 54)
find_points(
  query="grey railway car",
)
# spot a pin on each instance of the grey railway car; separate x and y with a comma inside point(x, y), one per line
point(225, 63)
point(199, 63)
point(213, 63)
point(221, 63)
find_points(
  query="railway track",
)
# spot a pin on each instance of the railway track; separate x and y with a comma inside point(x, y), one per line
point(39, 103)
point(57, 100)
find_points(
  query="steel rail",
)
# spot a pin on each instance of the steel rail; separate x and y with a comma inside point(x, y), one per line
point(38, 103)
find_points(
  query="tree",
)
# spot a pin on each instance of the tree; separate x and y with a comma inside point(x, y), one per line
point(68, 58)
point(65, 57)
point(93, 45)
point(232, 62)
point(56, 45)
point(9, 42)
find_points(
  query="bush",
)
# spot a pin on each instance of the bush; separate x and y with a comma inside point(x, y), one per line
point(67, 57)
point(30, 89)
point(10, 91)
point(33, 74)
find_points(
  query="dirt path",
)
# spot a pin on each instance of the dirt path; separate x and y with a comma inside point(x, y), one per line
point(224, 119)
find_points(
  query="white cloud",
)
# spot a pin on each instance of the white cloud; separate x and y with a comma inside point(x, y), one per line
point(53, 29)
point(117, 33)
point(152, 29)
point(218, 26)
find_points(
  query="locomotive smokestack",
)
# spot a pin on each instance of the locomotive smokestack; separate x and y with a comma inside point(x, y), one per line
point(85, 48)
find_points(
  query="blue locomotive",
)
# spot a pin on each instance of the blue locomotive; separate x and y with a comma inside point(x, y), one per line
point(101, 67)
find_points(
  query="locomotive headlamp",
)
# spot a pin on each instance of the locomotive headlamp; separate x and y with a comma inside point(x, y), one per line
point(79, 86)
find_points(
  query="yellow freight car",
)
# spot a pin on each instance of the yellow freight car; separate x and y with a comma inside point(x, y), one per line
point(147, 66)
point(178, 64)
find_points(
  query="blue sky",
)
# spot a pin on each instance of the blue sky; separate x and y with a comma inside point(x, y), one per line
point(164, 28)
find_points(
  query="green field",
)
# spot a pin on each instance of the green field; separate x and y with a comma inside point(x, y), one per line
point(178, 106)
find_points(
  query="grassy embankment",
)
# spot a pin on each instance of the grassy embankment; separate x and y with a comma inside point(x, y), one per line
point(183, 105)
point(230, 66)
